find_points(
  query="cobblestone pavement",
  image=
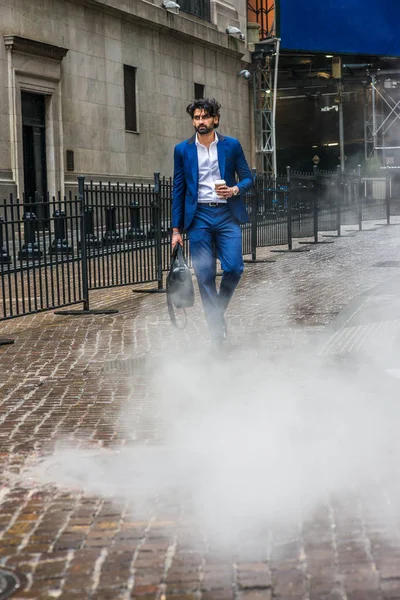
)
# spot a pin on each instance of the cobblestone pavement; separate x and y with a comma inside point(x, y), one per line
point(268, 471)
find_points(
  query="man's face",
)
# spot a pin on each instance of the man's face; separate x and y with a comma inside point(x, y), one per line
point(203, 123)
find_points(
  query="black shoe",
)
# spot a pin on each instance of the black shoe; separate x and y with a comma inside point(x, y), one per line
point(218, 340)
point(218, 347)
point(221, 335)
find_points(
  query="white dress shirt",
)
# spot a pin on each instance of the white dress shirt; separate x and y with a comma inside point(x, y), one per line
point(208, 172)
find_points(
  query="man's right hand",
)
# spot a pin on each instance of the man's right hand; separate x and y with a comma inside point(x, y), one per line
point(176, 239)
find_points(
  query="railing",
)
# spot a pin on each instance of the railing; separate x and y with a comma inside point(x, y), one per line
point(40, 263)
point(122, 237)
point(53, 252)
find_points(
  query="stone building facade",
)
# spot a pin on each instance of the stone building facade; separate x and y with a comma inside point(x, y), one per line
point(100, 87)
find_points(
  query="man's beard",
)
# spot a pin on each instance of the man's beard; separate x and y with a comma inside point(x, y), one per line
point(203, 129)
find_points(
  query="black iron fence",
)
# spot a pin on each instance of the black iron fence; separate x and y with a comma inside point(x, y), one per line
point(54, 251)
point(40, 260)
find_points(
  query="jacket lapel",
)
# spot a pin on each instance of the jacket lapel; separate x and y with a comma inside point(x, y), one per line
point(221, 148)
point(193, 160)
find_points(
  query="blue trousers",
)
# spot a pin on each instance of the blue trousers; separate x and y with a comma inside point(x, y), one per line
point(213, 232)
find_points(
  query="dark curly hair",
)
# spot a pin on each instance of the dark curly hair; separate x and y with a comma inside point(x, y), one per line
point(209, 105)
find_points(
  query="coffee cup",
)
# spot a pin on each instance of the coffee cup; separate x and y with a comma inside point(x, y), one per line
point(219, 183)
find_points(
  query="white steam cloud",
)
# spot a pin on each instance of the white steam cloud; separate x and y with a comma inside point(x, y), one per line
point(248, 441)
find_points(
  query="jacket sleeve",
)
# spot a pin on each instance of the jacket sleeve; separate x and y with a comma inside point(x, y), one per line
point(243, 171)
point(179, 190)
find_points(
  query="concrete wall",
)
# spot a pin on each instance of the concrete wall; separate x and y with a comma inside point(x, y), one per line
point(171, 52)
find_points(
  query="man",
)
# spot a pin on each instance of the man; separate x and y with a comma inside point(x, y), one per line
point(211, 218)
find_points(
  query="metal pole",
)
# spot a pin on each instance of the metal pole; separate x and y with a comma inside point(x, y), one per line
point(387, 194)
point(157, 233)
point(257, 126)
point(158, 216)
point(254, 207)
point(340, 185)
point(256, 191)
point(289, 209)
point(365, 123)
point(359, 198)
point(374, 134)
point(273, 119)
point(4, 260)
point(252, 112)
point(85, 282)
point(341, 128)
point(315, 204)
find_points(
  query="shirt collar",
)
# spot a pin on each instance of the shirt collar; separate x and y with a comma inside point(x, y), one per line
point(214, 142)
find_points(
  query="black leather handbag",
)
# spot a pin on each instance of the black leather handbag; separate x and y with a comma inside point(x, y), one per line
point(180, 290)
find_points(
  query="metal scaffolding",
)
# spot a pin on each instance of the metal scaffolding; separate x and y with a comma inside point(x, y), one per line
point(384, 123)
point(265, 77)
point(263, 94)
point(265, 82)
point(368, 123)
point(381, 98)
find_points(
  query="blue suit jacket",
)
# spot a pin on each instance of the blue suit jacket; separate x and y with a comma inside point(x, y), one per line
point(186, 179)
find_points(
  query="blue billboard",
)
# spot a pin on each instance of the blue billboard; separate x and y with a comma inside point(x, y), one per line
point(340, 26)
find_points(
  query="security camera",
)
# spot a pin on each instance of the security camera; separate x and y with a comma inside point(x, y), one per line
point(235, 31)
point(171, 6)
point(245, 74)
point(232, 30)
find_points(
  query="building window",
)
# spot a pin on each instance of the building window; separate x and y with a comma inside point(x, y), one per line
point(130, 98)
point(70, 160)
point(198, 91)
point(199, 8)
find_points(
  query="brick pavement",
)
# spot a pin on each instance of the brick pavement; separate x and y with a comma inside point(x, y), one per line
point(88, 409)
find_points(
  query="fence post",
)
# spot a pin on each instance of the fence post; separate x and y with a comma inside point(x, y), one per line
point(315, 170)
point(30, 248)
point(91, 238)
point(387, 197)
point(254, 200)
point(340, 185)
point(4, 255)
point(112, 235)
point(134, 232)
point(59, 244)
point(157, 229)
point(4, 259)
point(254, 210)
point(156, 232)
point(289, 208)
point(85, 282)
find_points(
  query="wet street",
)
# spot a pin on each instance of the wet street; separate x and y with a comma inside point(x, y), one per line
point(137, 462)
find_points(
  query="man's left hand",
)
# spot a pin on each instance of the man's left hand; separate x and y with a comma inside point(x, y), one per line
point(225, 192)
